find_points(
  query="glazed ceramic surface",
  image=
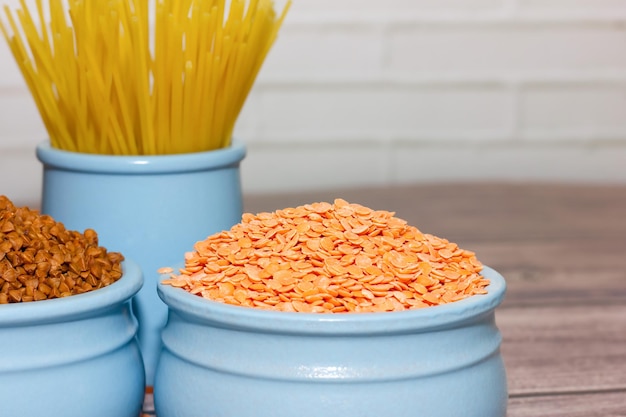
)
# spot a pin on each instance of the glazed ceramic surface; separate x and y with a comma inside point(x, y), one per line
point(228, 361)
point(73, 357)
point(153, 209)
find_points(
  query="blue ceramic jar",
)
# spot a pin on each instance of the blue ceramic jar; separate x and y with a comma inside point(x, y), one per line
point(150, 208)
point(228, 361)
point(75, 356)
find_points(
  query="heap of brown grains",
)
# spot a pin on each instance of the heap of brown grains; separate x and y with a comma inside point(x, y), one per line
point(40, 259)
point(329, 258)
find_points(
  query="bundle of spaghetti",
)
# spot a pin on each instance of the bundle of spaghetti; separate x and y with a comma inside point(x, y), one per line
point(141, 77)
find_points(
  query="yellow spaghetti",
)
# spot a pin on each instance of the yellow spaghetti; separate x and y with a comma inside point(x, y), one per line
point(141, 77)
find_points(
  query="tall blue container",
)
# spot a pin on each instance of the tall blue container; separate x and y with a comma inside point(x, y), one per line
point(152, 209)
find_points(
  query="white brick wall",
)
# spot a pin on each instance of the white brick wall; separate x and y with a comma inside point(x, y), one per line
point(513, 50)
point(360, 92)
point(592, 111)
point(384, 112)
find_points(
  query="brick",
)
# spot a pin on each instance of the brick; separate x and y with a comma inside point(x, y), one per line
point(20, 123)
point(20, 176)
point(328, 165)
point(569, 6)
point(10, 75)
point(501, 49)
point(384, 112)
point(590, 111)
point(247, 124)
point(389, 6)
point(322, 51)
point(576, 163)
point(331, 166)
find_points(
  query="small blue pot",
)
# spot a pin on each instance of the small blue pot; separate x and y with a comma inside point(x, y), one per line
point(73, 357)
point(150, 208)
point(227, 361)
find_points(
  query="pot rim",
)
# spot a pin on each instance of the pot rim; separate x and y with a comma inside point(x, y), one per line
point(222, 315)
point(140, 164)
point(80, 305)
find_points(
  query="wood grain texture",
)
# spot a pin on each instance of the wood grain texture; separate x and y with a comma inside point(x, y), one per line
point(607, 404)
point(564, 349)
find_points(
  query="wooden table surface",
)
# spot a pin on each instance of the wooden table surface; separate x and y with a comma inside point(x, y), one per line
point(562, 250)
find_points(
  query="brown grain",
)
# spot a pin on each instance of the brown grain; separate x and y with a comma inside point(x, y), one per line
point(40, 259)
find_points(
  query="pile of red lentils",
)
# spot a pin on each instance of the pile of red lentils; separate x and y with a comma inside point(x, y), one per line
point(40, 259)
point(329, 258)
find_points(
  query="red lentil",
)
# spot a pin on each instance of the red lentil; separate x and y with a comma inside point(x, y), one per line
point(329, 258)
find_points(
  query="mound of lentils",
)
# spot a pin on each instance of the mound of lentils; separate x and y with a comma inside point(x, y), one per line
point(329, 258)
point(40, 259)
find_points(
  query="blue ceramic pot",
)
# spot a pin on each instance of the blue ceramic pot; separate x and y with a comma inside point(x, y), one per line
point(150, 208)
point(228, 361)
point(75, 356)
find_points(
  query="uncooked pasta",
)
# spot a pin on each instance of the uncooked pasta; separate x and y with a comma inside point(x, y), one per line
point(141, 77)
